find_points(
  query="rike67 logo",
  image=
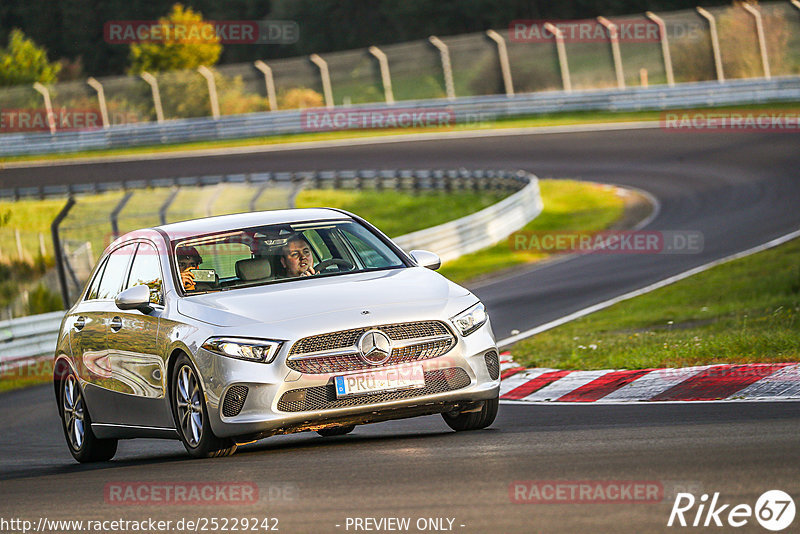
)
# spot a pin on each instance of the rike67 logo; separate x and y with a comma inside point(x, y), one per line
point(774, 510)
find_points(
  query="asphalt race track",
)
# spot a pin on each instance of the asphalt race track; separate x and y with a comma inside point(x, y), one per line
point(738, 189)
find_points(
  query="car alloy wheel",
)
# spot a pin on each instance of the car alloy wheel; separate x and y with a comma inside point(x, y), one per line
point(190, 409)
point(74, 413)
point(191, 414)
point(77, 424)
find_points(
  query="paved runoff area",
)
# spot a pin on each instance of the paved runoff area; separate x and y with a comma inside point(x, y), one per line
point(737, 382)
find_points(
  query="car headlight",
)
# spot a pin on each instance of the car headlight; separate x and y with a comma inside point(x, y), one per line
point(252, 350)
point(470, 319)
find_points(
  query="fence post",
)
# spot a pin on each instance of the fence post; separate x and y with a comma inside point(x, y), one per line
point(326, 78)
point(762, 42)
point(153, 83)
point(206, 73)
point(562, 55)
point(162, 211)
point(505, 66)
point(662, 29)
point(116, 211)
point(712, 25)
point(613, 36)
point(20, 251)
point(101, 98)
point(48, 106)
point(42, 248)
point(386, 77)
point(270, 82)
point(59, 253)
point(447, 68)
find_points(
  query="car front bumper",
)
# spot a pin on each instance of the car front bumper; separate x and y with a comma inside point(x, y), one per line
point(265, 396)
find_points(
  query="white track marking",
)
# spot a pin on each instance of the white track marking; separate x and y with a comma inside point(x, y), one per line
point(568, 384)
point(783, 383)
point(648, 386)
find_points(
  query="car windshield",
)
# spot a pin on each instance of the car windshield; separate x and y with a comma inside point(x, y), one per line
point(278, 253)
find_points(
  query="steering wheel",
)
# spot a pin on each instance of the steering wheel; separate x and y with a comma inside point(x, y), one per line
point(343, 265)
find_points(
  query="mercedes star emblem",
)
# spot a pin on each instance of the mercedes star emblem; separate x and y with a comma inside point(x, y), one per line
point(375, 347)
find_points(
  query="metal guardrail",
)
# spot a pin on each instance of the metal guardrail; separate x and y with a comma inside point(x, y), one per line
point(479, 230)
point(398, 179)
point(463, 111)
point(26, 339)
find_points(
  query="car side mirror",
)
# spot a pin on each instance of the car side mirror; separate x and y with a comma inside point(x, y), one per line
point(135, 298)
point(424, 258)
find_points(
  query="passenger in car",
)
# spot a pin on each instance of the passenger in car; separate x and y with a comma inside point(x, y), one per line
point(188, 259)
point(297, 258)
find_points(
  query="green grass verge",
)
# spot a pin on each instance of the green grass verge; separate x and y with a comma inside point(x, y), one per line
point(396, 213)
point(744, 311)
point(547, 119)
point(20, 378)
point(568, 205)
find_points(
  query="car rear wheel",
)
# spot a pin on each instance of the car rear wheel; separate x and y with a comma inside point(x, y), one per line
point(191, 415)
point(83, 444)
point(473, 420)
point(336, 431)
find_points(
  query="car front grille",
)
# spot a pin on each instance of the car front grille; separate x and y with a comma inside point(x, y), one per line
point(492, 364)
point(414, 342)
point(234, 400)
point(324, 397)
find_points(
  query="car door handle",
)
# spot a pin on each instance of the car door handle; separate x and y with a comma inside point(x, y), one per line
point(116, 324)
point(79, 323)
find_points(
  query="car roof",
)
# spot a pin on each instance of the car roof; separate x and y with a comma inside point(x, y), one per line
point(223, 223)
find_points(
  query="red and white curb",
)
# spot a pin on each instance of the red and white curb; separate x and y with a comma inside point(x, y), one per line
point(737, 382)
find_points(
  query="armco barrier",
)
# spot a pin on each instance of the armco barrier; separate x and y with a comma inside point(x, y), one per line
point(29, 338)
point(408, 180)
point(464, 110)
point(479, 230)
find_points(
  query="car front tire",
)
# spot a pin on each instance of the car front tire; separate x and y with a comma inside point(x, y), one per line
point(191, 414)
point(84, 446)
point(473, 420)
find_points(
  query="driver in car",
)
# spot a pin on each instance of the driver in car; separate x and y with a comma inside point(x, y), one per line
point(188, 259)
point(297, 258)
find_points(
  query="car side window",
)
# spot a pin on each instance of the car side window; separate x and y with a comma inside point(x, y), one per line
point(318, 246)
point(146, 270)
point(92, 293)
point(369, 255)
point(115, 271)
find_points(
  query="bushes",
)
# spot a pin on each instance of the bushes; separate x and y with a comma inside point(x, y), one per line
point(42, 300)
point(299, 98)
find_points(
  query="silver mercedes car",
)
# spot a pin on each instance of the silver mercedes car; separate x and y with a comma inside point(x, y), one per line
point(225, 330)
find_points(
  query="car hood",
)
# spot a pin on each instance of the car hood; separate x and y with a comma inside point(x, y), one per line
point(337, 302)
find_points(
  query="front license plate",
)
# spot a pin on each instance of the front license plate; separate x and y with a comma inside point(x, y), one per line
point(405, 377)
